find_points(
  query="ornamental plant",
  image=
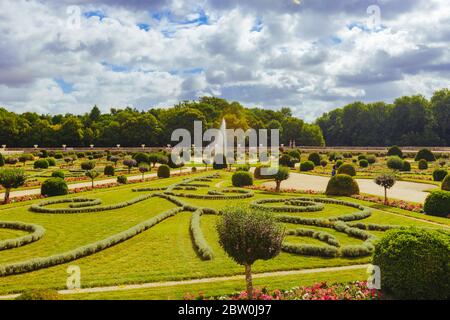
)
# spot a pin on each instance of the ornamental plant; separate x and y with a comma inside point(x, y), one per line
point(423, 164)
point(109, 171)
point(143, 168)
point(242, 179)
point(40, 164)
point(395, 151)
point(11, 179)
point(88, 165)
point(437, 203)
point(446, 183)
point(342, 185)
point(54, 187)
point(425, 154)
point(281, 175)
point(439, 174)
point(58, 174)
point(306, 166)
point(129, 163)
point(163, 171)
point(92, 174)
point(395, 163)
point(387, 181)
point(249, 235)
point(347, 169)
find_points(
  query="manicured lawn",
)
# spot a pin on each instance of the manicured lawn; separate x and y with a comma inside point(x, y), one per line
point(165, 252)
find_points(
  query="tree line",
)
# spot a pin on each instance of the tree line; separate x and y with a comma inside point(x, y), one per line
point(132, 128)
point(409, 121)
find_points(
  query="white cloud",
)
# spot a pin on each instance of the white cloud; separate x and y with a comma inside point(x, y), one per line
point(312, 57)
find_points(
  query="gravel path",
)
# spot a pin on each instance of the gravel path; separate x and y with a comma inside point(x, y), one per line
point(201, 280)
point(402, 190)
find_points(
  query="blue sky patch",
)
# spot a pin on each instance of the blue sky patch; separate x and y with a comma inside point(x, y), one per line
point(95, 13)
point(66, 87)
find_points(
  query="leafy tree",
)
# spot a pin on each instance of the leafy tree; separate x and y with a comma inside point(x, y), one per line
point(10, 179)
point(143, 168)
point(387, 181)
point(130, 163)
point(248, 235)
point(92, 174)
point(281, 175)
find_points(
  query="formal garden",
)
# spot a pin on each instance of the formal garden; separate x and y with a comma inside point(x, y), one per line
point(218, 221)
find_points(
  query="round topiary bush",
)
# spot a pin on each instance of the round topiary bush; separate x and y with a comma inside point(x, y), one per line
point(446, 183)
point(414, 263)
point(122, 179)
point(423, 164)
point(371, 159)
point(342, 185)
point(425, 154)
point(339, 163)
point(163, 171)
point(40, 164)
point(242, 179)
point(362, 157)
point(395, 151)
point(395, 163)
point(347, 169)
point(58, 174)
point(51, 161)
point(54, 187)
point(314, 158)
point(363, 163)
point(88, 165)
point(437, 203)
point(306, 166)
point(58, 155)
point(142, 158)
point(109, 171)
point(439, 174)
point(287, 161)
point(406, 166)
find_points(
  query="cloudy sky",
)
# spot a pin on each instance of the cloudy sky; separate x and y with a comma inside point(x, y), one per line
point(312, 55)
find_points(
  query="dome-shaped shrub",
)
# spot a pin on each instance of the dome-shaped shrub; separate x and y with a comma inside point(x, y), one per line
point(54, 187)
point(109, 170)
point(342, 185)
point(347, 169)
point(287, 161)
point(242, 179)
point(395, 151)
point(363, 163)
point(423, 164)
point(306, 166)
point(446, 183)
point(122, 179)
point(406, 166)
point(40, 164)
point(371, 159)
point(58, 174)
point(314, 158)
point(88, 165)
point(163, 171)
point(425, 154)
point(414, 263)
point(362, 157)
point(294, 154)
point(51, 161)
point(339, 163)
point(395, 163)
point(439, 174)
point(437, 203)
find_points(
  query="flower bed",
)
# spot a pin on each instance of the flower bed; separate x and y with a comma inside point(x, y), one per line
point(357, 290)
point(414, 207)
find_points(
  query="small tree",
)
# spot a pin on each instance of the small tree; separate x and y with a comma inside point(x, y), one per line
point(143, 168)
point(130, 163)
point(26, 157)
point(281, 175)
point(114, 159)
point(92, 174)
point(387, 181)
point(11, 178)
point(88, 165)
point(249, 235)
point(323, 163)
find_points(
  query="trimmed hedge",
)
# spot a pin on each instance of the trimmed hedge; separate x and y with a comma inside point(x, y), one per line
point(310, 250)
point(242, 179)
point(40, 263)
point(314, 158)
point(395, 151)
point(423, 164)
point(163, 171)
point(446, 183)
point(51, 162)
point(122, 179)
point(437, 203)
point(201, 245)
point(406, 167)
point(342, 185)
point(58, 174)
point(439, 174)
point(347, 169)
point(109, 171)
point(40, 164)
point(426, 155)
point(395, 163)
point(319, 235)
point(37, 232)
point(414, 263)
point(291, 205)
point(363, 163)
point(306, 166)
point(54, 187)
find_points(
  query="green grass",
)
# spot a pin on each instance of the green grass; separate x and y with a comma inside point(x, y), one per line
point(164, 252)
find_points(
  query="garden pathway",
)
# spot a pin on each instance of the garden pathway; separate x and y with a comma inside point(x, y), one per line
point(402, 190)
point(201, 280)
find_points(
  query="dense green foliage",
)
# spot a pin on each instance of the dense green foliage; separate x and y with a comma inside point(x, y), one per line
point(342, 185)
point(406, 166)
point(109, 170)
point(315, 158)
point(423, 164)
point(40, 164)
point(347, 169)
point(281, 175)
point(437, 203)
point(414, 263)
point(446, 183)
point(306, 166)
point(439, 174)
point(163, 171)
point(395, 163)
point(58, 174)
point(287, 161)
point(395, 151)
point(122, 179)
point(363, 163)
point(131, 127)
point(409, 121)
point(425, 154)
point(88, 165)
point(242, 179)
point(54, 187)
point(11, 178)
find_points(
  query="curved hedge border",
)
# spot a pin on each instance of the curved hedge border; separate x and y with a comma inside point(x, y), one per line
point(310, 250)
point(292, 205)
point(37, 232)
point(201, 245)
point(39, 263)
point(88, 203)
point(41, 207)
point(243, 194)
point(319, 235)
